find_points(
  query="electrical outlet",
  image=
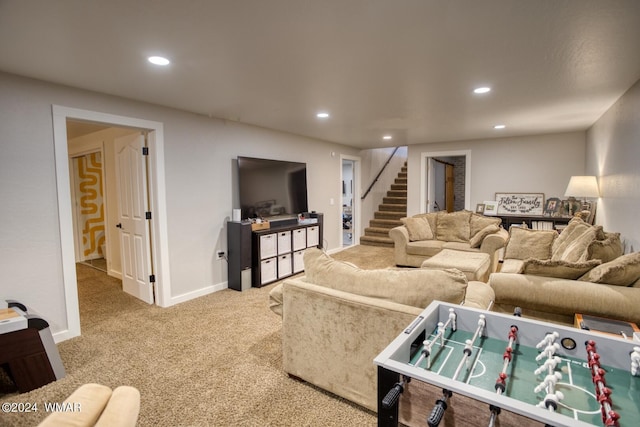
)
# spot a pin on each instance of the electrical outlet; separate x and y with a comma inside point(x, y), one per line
point(220, 255)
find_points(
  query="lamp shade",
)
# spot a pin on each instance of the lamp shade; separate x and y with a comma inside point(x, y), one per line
point(582, 186)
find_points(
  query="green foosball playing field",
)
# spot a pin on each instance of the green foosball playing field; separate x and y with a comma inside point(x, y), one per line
point(579, 398)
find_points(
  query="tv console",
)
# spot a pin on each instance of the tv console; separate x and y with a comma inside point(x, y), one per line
point(258, 258)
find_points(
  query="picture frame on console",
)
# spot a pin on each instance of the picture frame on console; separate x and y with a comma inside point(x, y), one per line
point(490, 207)
point(480, 208)
point(552, 206)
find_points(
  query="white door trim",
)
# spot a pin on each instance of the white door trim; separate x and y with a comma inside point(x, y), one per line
point(357, 193)
point(425, 192)
point(157, 190)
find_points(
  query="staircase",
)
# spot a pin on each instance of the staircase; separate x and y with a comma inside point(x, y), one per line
point(393, 207)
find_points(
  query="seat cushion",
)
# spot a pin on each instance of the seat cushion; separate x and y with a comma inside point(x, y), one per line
point(426, 248)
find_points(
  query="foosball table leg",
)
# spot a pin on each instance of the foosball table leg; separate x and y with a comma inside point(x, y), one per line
point(387, 414)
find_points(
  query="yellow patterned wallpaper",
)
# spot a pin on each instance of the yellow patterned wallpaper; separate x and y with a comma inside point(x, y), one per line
point(91, 205)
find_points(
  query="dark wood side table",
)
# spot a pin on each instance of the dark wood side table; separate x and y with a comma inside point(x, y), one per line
point(30, 355)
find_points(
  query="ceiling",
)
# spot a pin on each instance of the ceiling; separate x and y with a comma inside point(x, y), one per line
point(405, 68)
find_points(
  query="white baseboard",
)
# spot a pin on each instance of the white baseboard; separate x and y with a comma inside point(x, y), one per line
point(196, 294)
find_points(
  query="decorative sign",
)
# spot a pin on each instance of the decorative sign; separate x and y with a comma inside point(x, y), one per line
point(520, 203)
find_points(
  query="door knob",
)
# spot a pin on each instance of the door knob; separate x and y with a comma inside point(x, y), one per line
point(119, 225)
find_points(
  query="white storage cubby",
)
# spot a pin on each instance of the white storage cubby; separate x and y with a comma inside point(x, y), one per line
point(284, 242)
point(268, 245)
point(268, 271)
point(278, 252)
point(284, 265)
point(313, 236)
point(299, 239)
point(298, 262)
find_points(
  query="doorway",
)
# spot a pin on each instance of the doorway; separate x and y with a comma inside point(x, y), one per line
point(350, 197)
point(156, 188)
point(87, 191)
point(444, 197)
point(445, 181)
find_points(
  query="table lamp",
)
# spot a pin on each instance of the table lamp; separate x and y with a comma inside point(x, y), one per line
point(582, 187)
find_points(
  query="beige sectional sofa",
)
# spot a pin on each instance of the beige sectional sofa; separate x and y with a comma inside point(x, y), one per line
point(338, 318)
point(581, 270)
point(425, 235)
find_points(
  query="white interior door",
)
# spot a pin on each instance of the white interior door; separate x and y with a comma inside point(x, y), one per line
point(133, 202)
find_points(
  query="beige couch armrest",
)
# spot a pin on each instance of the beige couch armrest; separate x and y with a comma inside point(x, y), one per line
point(400, 237)
point(495, 241)
point(566, 297)
point(330, 338)
point(123, 408)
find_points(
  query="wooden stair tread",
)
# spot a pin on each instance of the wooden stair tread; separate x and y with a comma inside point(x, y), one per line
point(389, 213)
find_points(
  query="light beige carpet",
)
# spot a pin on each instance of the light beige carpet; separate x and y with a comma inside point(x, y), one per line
point(212, 361)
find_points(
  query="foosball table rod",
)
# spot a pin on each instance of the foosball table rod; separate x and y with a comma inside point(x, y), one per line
point(502, 377)
point(603, 393)
point(427, 345)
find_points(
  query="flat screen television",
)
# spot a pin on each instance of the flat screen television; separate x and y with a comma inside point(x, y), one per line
point(271, 188)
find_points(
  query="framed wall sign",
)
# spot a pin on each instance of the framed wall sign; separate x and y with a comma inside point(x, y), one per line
point(520, 203)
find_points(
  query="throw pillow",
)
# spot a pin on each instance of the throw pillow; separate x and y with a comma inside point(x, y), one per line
point(480, 222)
point(418, 228)
point(607, 248)
point(572, 244)
point(453, 227)
point(560, 269)
point(622, 271)
point(525, 243)
point(477, 238)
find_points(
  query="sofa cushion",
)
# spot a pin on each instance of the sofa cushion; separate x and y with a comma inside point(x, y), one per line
point(453, 226)
point(572, 244)
point(512, 265)
point(425, 247)
point(459, 246)
point(418, 228)
point(606, 247)
point(557, 268)
point(479, 222)
point(525, 243)
point(622, 271)
point(477, 238)
point(413, 287)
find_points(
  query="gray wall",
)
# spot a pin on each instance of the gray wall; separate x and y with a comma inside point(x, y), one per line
point(198, 165)
point(613, 155)
point(530, 164)
point(199, 153)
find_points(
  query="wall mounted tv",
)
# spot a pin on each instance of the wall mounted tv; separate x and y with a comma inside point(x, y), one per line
point(271, 188)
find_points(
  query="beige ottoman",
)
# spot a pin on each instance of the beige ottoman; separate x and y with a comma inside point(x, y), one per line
point(475, 265)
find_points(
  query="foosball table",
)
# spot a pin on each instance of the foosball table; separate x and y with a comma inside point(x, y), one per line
point(459, 366)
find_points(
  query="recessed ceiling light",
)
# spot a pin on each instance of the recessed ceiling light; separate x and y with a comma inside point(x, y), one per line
point(387, 137)
point(322, 115)
point(483, 89)
point(158, 60)
point(499, 127)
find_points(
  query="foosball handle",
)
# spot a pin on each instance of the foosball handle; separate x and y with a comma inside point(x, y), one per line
point(438, 410)
point(392, 396)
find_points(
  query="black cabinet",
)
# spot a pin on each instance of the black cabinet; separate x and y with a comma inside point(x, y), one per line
point(257, 258)
point(239, 255)
point(535, 222)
